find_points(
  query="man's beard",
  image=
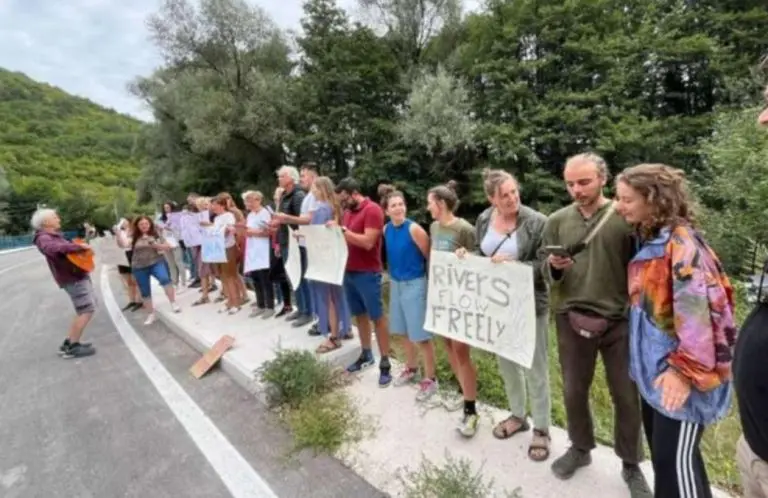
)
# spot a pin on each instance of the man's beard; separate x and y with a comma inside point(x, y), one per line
point(350, 204)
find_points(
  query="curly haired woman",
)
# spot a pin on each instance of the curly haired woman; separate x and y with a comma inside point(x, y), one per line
point(681, 327)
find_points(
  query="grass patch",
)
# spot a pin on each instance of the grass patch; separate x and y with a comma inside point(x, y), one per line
point(455, 478)
point(718, 445)
point(303, 389)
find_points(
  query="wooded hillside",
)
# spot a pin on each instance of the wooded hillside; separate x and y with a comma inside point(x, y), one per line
point(65, 152)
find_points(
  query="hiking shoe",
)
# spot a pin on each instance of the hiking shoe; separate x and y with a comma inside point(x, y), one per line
point(567, 465)
point(256, 312)
point(65, 345)
point(301, 320)
point(363, 362)
point(427, 389)
point(638, 486)
point(468, 424)
point(385, 377)
point(406, 377)
point(268, 313)
point(283, 312)
point(78, 350)
point(385, 372)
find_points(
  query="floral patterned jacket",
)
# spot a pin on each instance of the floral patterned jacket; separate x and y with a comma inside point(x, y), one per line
point(681, 317)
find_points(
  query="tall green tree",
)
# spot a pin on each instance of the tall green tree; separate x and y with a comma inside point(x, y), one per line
point(224, 95)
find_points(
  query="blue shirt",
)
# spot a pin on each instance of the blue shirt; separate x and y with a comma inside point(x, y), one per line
point(322, 213)
point(406, 262)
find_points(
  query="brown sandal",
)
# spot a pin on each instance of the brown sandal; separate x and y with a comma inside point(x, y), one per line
point(202, 300)
point(504, 430)
point(330, 344)
point(538, 451)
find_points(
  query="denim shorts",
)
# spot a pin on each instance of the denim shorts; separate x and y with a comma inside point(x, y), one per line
point(363, 291)
point(158, 270)
point(408, 308)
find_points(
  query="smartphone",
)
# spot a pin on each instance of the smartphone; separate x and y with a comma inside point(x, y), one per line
point(557, 251)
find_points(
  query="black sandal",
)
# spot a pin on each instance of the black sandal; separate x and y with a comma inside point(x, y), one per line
point(501, 431)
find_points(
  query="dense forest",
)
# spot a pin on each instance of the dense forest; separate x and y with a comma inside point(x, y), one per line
point(64, 152)
point(421, 93)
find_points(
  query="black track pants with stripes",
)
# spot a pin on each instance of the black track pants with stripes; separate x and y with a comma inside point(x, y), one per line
point(677, 464)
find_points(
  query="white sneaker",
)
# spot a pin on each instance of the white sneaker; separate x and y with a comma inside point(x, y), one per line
point(150, 319)
point(176, 308)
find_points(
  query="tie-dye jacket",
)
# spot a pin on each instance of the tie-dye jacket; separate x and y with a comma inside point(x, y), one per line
point(681, 317)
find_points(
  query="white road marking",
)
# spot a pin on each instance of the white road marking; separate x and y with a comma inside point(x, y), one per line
point(238, 476)
point(5, 270)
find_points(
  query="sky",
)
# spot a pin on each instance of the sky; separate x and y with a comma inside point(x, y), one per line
point(94, 48)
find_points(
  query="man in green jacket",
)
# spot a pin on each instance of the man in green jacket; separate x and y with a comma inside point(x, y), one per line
point(590, 298)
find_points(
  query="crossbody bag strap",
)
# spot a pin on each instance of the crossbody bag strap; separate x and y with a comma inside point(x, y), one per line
point(600, 224)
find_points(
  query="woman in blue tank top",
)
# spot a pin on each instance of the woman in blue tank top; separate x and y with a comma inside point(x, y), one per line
point(407, 248)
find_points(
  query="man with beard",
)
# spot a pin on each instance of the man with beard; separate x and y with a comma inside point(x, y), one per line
point(590, 299)
point(362, 225)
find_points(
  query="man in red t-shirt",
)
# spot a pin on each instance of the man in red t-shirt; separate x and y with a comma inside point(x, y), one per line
point(362, 225)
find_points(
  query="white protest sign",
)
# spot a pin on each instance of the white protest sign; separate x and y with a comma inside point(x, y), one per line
point(293, 261)
point(326, 253)
point(486, 305)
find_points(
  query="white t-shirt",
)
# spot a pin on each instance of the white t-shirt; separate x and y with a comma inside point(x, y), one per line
point(308, 206)
point(257, 248)
point(220, 223)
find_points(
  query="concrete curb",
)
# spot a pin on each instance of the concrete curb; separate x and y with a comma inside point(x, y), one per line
point(240, 373)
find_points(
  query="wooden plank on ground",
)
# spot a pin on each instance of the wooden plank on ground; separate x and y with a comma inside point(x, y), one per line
point(212, 356)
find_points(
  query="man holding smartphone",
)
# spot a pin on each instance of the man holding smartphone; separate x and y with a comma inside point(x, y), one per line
point(588, 246)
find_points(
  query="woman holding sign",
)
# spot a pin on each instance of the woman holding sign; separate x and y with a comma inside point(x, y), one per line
point(334, 318)
point(450, 233)
point(509, 231)
point(225, 222)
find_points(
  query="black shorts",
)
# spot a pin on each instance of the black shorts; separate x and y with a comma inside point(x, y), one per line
point(126, 269)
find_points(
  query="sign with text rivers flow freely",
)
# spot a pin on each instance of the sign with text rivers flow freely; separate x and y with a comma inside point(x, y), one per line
point(486, 305)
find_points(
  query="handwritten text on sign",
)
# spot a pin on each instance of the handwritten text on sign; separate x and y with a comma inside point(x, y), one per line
point(487, 305)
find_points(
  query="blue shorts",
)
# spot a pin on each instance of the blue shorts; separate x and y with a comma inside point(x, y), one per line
point(142, 275)
point(408, 308)
point(363, 291)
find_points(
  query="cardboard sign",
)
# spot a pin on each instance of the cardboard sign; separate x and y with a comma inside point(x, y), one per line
point(487, 305)
point(212, 356)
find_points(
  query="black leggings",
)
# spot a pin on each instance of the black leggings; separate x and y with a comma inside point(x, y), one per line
point(265, 291)
point(677, 464)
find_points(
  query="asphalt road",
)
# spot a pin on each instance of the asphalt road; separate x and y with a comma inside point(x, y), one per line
point(98, 427)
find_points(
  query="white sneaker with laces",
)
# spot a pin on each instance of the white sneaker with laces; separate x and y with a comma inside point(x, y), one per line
point(176, 308)
point(150, 319)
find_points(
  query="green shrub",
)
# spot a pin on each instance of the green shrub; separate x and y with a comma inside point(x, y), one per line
point(325, 423)
point(454, 479)
point(294, 376)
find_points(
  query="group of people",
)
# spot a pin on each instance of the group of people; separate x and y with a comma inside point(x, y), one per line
point(630, 279)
